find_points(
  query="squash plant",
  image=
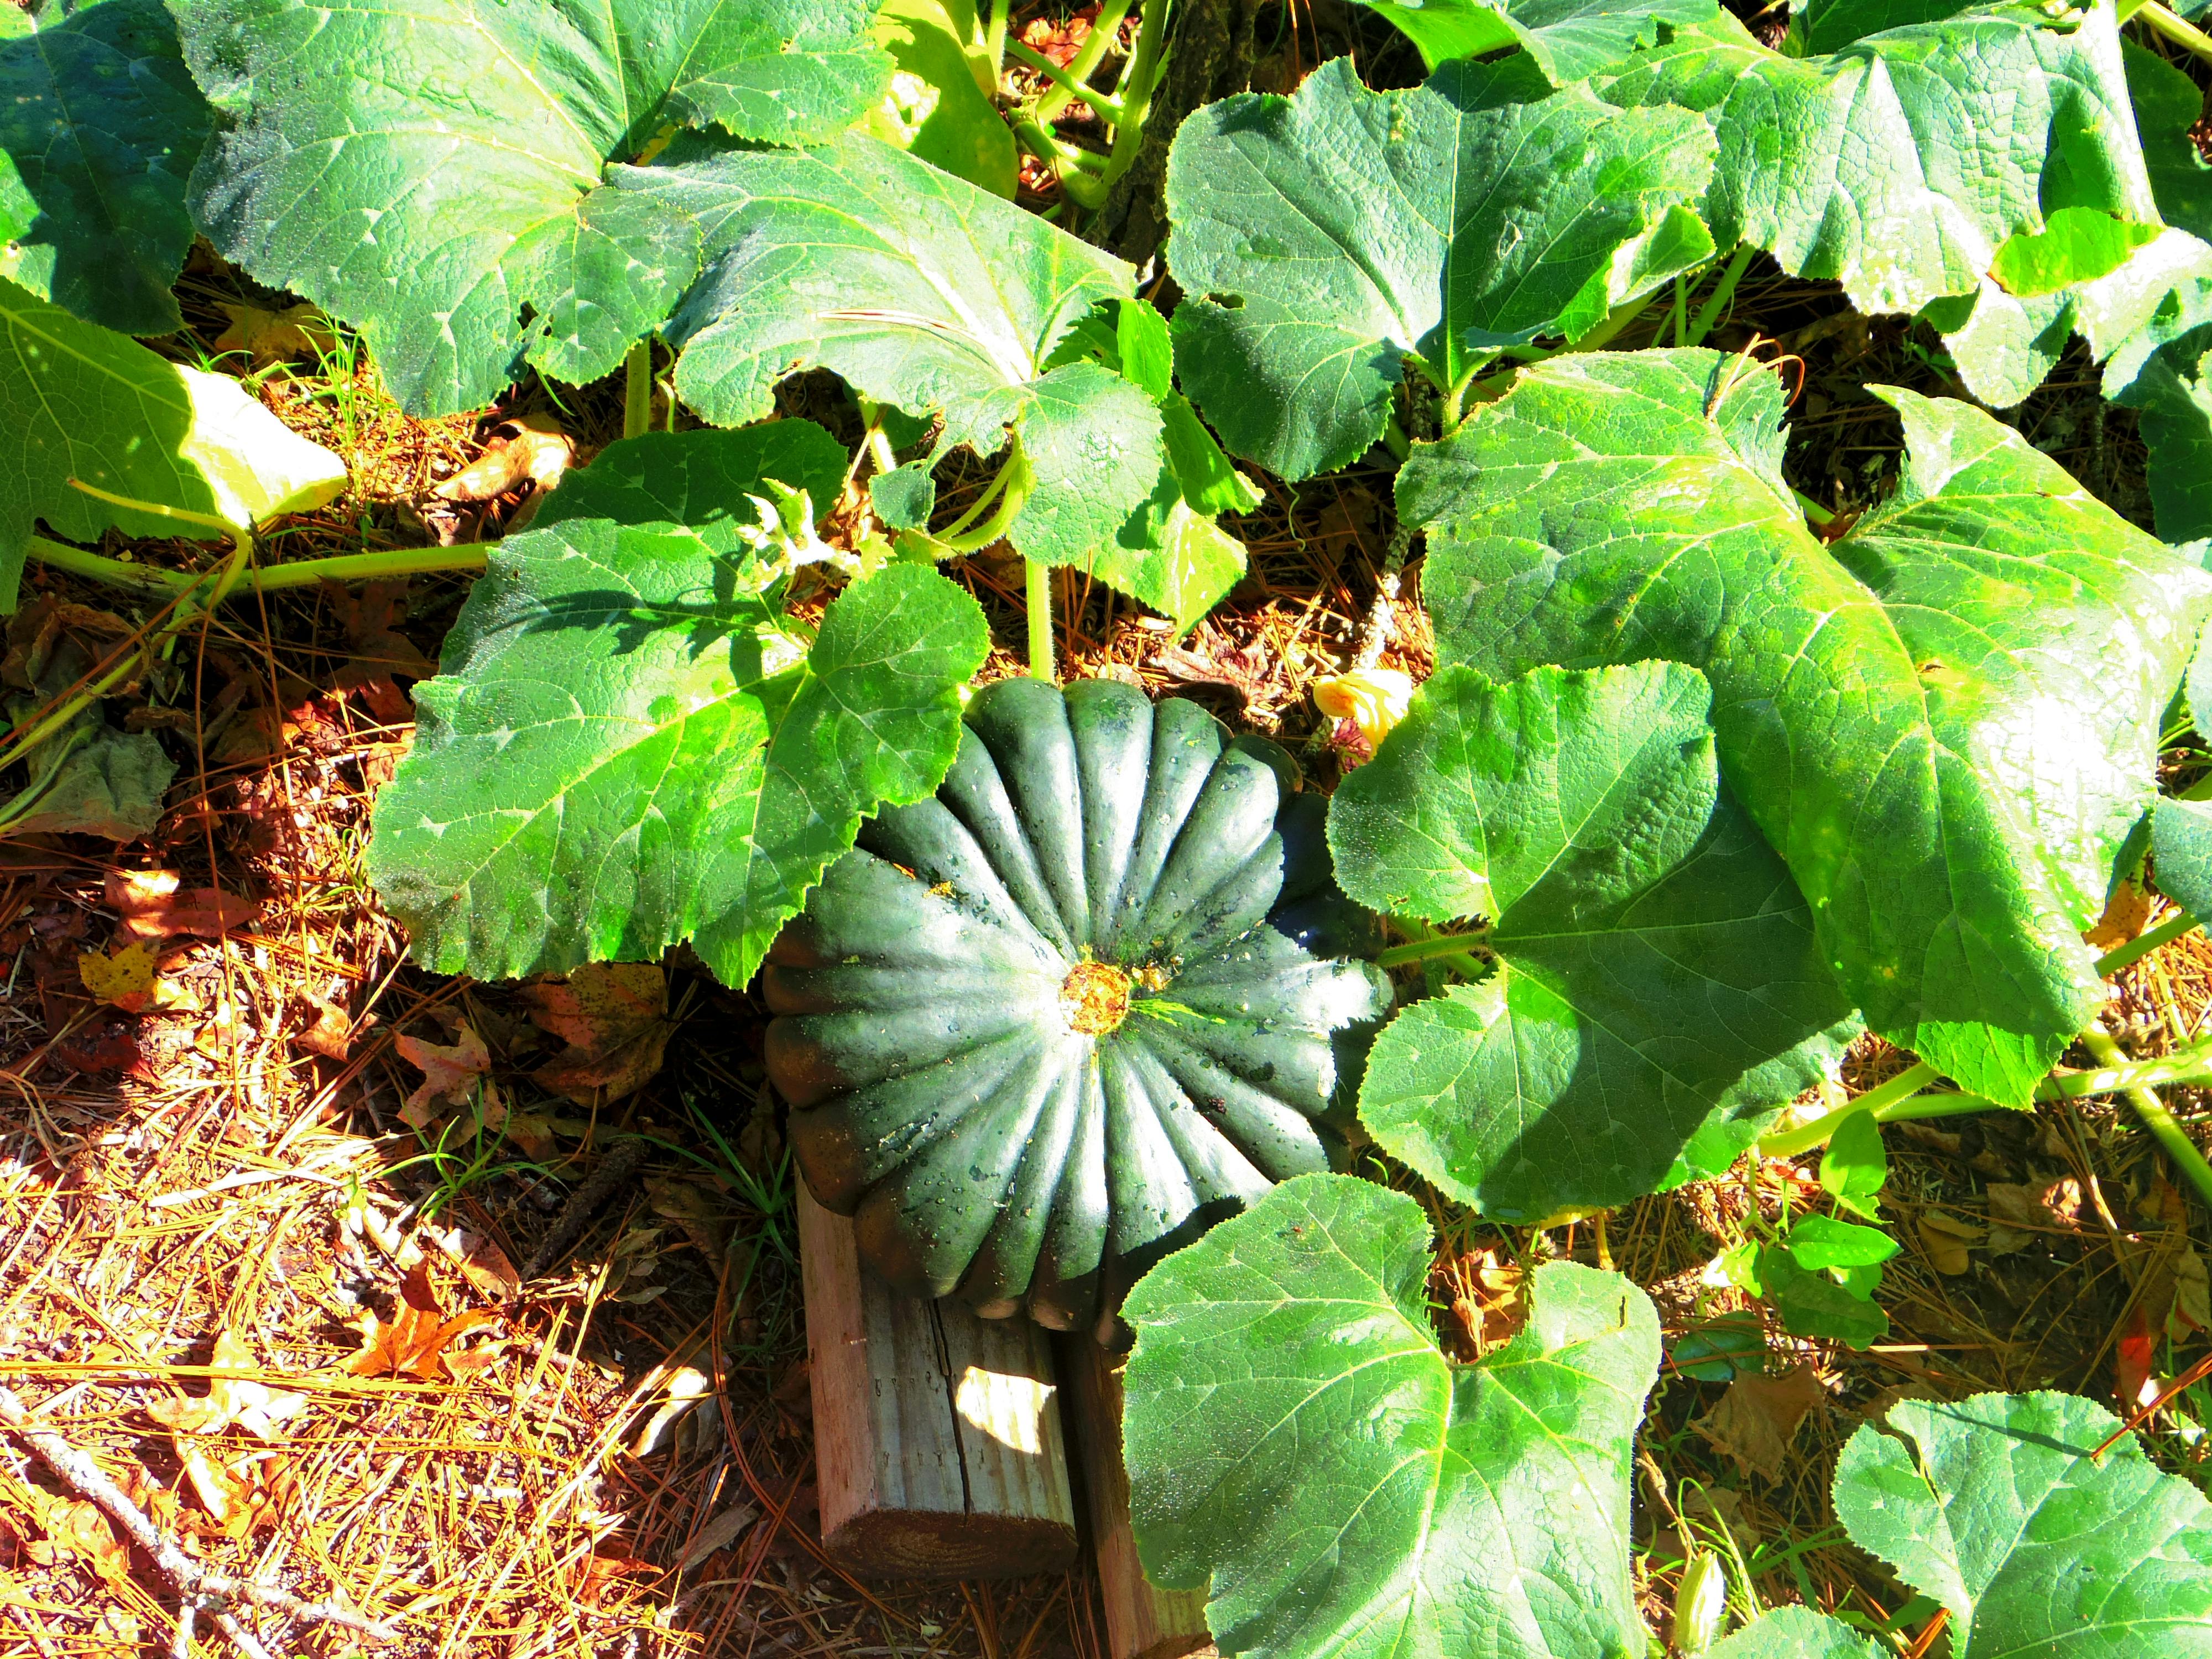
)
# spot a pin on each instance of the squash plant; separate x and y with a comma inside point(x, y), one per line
point(1044, 1028)
point(1708, 781)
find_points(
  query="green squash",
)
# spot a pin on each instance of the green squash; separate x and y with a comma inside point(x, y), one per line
point(1045, 1027)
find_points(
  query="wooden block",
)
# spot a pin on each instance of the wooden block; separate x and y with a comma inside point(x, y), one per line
point(1141, 1622)
point(937, 1444)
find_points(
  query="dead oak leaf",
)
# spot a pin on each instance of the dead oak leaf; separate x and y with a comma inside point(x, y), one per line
point(156, 904)
point(235, 1397)
point(1758, 1417)
point(613, 1016)
point(533, 449)
point(448, 1073)
point(414, 1342)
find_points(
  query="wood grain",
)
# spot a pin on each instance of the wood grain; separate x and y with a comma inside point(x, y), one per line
point(938, 1449)
point(1141, 1622)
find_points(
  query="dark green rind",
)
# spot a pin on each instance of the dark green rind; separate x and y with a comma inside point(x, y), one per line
point(983, 1147)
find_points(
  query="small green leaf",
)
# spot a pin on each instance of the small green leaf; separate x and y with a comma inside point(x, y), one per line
point(904, 497)
point(1658, 988)
point(1999, 1507)
point(81, 402)
point(1296, 1439)
point(1814, 1305)
point(1796, 1633)
point(1619, 506)
point(2075, 244)
point(1719, 1350)
point(1817, 1243)
point(934, 109)
point(99, 127)
point(1855, 1166)
point(88, 778)
point(630, 745)
point(1323, 239)
point(2175, 397)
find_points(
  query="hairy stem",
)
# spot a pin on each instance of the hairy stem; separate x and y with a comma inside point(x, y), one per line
point(1105, 103)
point(1105, 28)
point(2152, 1110)
point(263, 579)
point(637, 389)
point(1038, 582)
point(2182, 34)
point(1709, 312)
point(2135, 949)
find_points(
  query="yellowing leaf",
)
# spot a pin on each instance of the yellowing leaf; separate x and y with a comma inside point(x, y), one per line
point(124, 978)
point(270, 337)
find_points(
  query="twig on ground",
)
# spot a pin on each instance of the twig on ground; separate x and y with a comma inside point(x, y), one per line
point(199, 1587)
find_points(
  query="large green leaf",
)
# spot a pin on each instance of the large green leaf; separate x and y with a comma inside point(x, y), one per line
point(1901, 162)
point(429, 169)
point(1323, 239)
point(99, 127)
point(84, 403)
point(88, 778)
point(1570, 40)
point(1294, 1435)
point(2167, 105)
point(1947, 724)
point(1659, 993)
point(936, 109)
point(924, 292)
point(2176, 423)
point(1999, 1507)
point(630, 745)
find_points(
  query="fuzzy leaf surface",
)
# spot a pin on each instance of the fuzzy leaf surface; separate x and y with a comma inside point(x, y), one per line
point(1321, 240)
point(1293, 1433)
point(630, 745)
point(81, 402)
point(426, 170)
point(1946, 724)
point(99, 127)
point(1899, 163)
point(1659, 993)
point(922, 292)
point(1993, 1506)
point(1795, 1633)
point(1568, 39)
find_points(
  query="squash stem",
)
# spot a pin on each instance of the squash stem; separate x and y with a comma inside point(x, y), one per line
point(2135, 949)
point(1039, 583)
point(1724, 291)
point(2185, 35)
point(262, 579)
point(1105, 103)
point(2152, 1110)
point(637, 389)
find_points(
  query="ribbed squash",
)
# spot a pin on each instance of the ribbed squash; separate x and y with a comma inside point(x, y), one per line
point(1041, 1029)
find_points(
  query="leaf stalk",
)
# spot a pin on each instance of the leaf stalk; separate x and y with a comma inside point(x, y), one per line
point(637, 389)
point(347, 567)
point(2182, 34)
point(1724, 291)
point(1037, 581)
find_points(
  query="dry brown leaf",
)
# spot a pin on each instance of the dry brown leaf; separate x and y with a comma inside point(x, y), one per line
point(1758, 1417)
point(1945, 1237)
point(76, 1528)
point(332, 1035)
point(156, 904)
point(2021, 1212)
point(613, 1017)
point(125, 978)
point(274, 336)
point(2127, 913)
point(530, 1131)
point(448, 1073)
point(704, 1221)
point(414, 1342)
point(486, 1266)
point(533, 448)
point(234, 1398)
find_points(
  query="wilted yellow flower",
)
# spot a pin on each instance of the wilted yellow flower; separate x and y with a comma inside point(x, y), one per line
point(1372, 699)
